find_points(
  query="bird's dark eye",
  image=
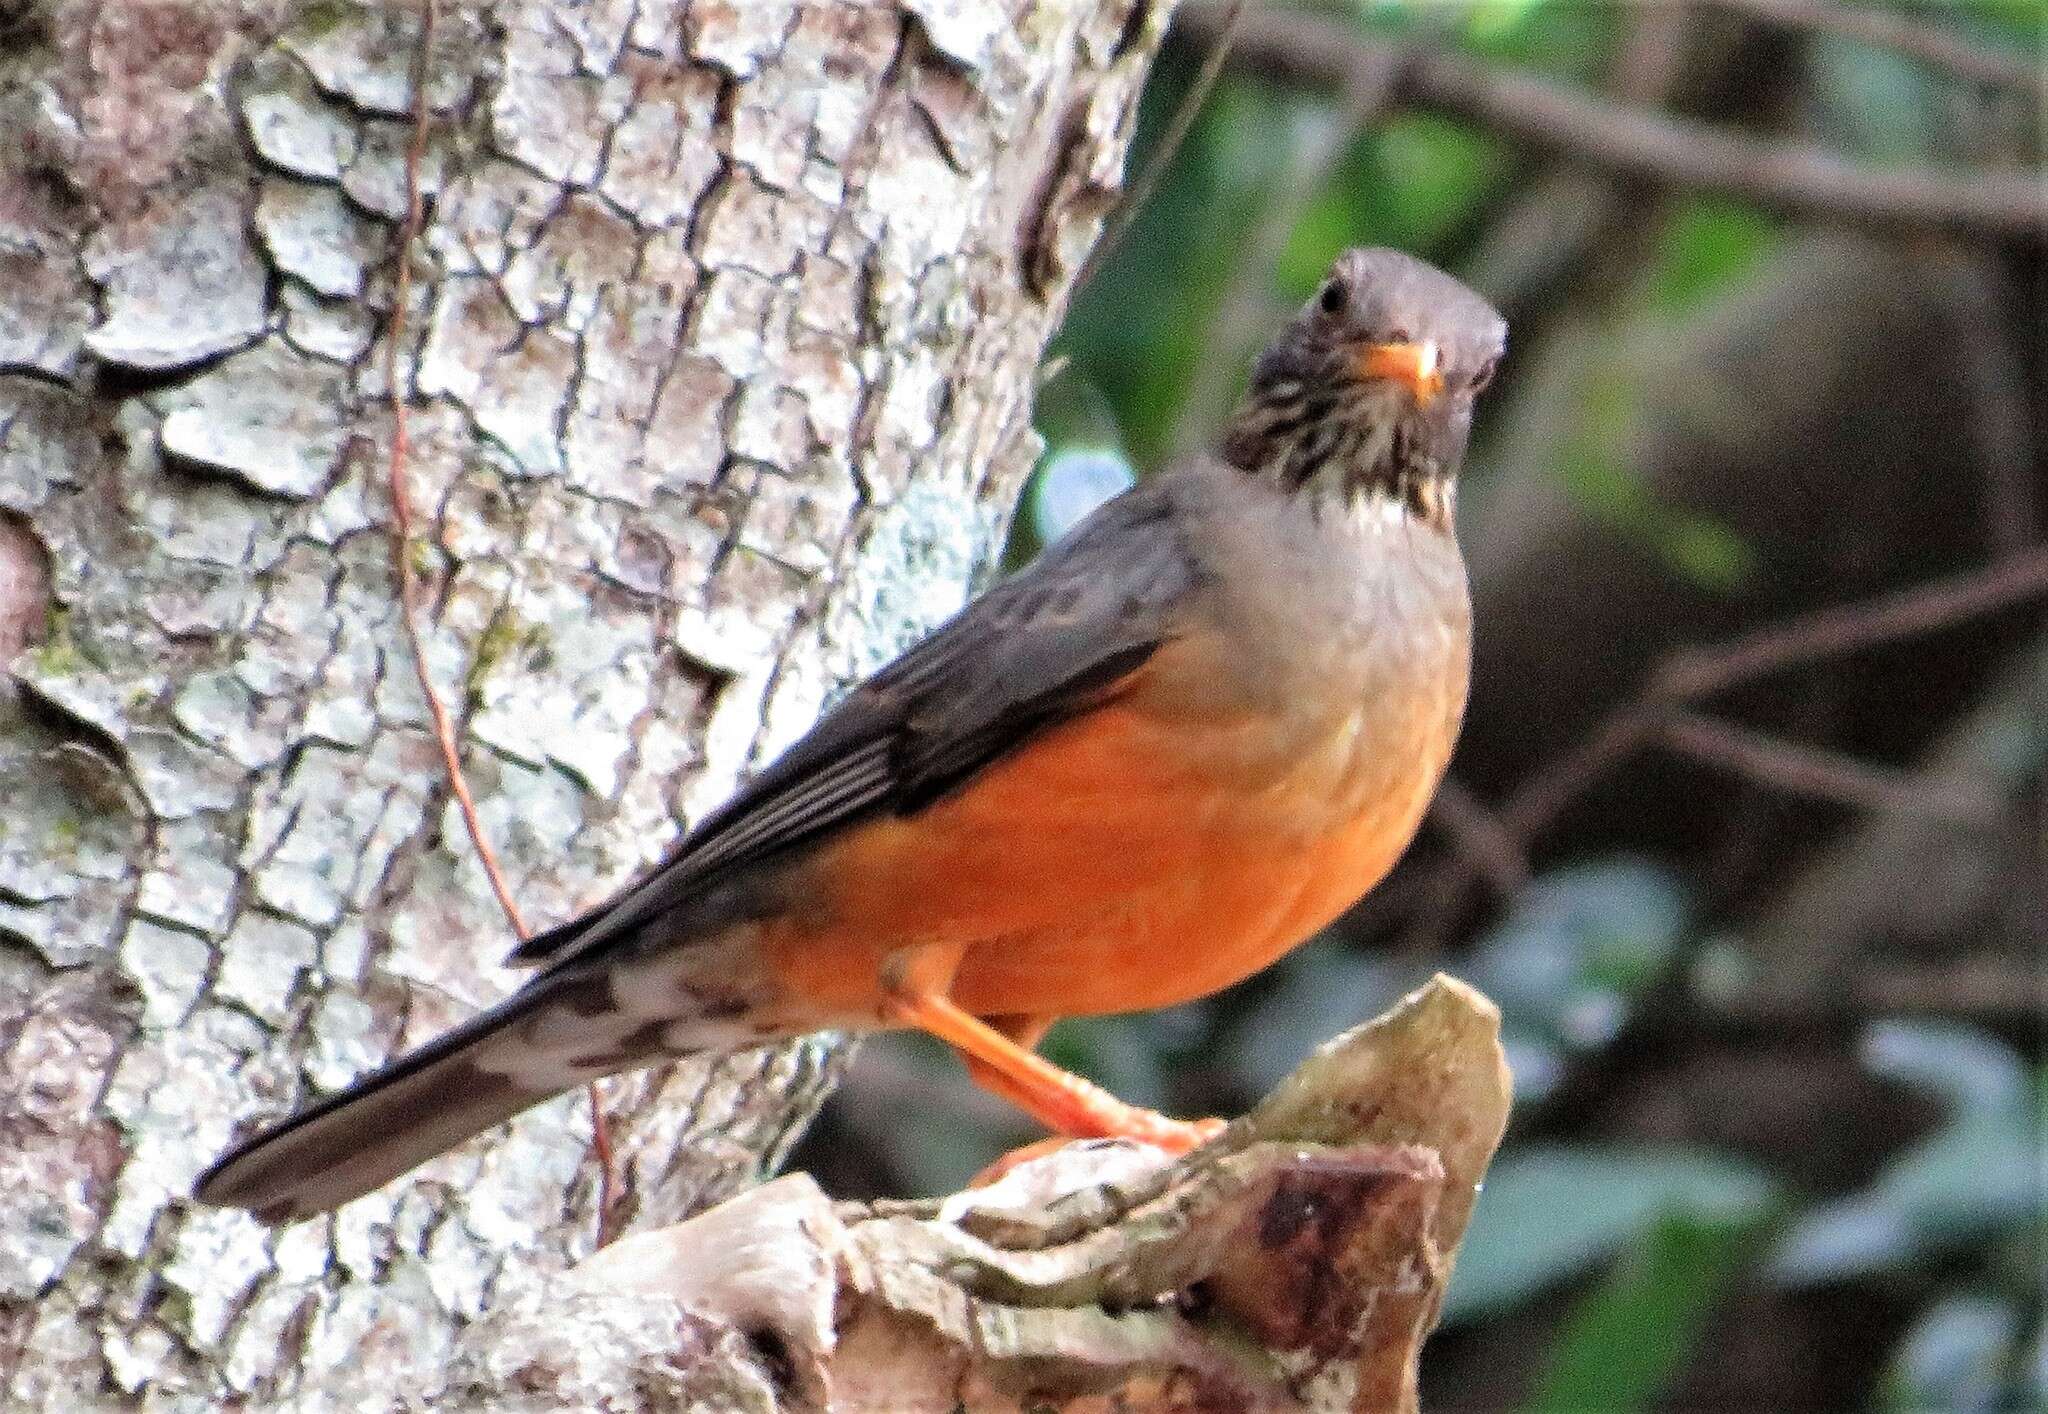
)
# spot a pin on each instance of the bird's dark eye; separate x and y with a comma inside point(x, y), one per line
point(1485, 373)
point(1333, 297)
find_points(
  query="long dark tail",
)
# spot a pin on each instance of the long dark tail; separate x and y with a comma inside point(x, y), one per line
point(479, 1074)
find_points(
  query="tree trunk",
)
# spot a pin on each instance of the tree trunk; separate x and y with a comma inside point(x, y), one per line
point(719, 355)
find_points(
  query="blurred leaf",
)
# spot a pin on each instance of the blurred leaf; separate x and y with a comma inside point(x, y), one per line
point(1966, 1068)
point(1706, 246)
point(1535, 1061)
point(1551, 1213)
point(1437, 171)
point(1063, 490)
point(1608, 401)
point(1385, 16)
point(1707, 553)
point(1723, 971)
point(1569, 959)
point(1877, 102)
point(1562, 38)
point(1976, 1177)
point(1497, 20)
point(1954, 1358)
point(1978, 1174)
point(1843, 1238)
point(1566, 38)
point(2020, 26)
point(1620, 1346)
point(1606, 926)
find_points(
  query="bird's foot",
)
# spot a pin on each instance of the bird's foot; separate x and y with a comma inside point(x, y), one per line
point(1175, 1136)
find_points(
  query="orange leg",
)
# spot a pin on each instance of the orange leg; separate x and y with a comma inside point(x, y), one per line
point(1027, 1032)
point(915, 981)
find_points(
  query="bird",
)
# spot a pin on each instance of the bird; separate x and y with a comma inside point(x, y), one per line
point(1188, 737)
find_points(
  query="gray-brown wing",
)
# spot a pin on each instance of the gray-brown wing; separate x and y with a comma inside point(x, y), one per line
point(1030, 653)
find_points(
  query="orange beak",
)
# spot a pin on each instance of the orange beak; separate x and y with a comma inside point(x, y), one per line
point(1413, 366)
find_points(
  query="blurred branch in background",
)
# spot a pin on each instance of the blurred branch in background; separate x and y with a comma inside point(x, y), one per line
point(1993, 371)
point(1820, 773)
point(1603, 213)
point(1691, 675)
point(1932, 45)
point(1488, 846)
point(1700, 672)
point(1797, 179)
point(1906, 876)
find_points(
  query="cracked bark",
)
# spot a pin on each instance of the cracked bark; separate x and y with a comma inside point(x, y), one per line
point(721, 353)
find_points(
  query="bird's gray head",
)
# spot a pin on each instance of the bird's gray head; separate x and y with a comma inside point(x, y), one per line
point(1368, 391)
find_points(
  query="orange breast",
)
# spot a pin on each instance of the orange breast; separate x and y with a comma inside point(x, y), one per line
point(1120, 862)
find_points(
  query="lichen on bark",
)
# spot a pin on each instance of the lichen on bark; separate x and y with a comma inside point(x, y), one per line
point(724, 327)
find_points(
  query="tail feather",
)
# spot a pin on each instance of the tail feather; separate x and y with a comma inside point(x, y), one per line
point(477, 1075)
